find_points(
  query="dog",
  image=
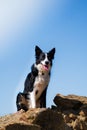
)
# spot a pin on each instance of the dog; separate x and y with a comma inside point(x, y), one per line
point(36, 83)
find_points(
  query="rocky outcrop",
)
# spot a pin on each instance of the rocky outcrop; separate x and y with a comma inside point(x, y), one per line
point(34, 119)
point(69, 113)
point(73, 109)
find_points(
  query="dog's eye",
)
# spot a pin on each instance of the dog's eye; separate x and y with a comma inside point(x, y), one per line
point(43, 56)
point(49, 58)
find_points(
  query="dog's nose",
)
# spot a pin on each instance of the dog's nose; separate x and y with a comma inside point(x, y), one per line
point(46, 62)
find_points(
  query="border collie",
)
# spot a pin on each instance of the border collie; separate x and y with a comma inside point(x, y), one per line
point(36, 83)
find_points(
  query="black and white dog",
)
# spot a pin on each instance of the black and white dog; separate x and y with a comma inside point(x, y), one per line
point(36, 83)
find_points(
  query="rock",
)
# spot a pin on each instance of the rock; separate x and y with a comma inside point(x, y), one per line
point(22, 127)
point(50, 120)
point(69, 113)
point(65, 102)
point(33, 119)
point(73, 109)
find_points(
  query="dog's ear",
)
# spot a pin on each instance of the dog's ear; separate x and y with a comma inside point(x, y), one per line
point(51, 53)
point(38, 51)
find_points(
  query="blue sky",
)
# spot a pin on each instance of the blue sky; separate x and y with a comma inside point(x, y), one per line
point(50, 23)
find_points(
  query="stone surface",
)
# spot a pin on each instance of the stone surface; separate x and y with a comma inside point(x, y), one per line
point(34, 119)
point(69, 113)
point(66, 102)
point(73, 109)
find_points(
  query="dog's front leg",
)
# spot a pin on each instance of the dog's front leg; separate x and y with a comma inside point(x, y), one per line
point(43, 99)
point(32, 100)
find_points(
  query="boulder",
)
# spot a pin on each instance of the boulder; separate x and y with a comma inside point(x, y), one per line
point(33, 119)
point(66, 102)
point(69, 113)
point(74, 110)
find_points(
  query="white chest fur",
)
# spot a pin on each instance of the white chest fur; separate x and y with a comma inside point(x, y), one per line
point(41, 82)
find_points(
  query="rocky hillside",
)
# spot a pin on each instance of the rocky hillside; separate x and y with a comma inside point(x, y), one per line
point(69, 113)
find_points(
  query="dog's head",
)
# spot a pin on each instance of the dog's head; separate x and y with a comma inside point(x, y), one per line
point(44, 60)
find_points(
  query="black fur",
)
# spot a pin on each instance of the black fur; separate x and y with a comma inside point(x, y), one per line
point(30, 80)
point(19, 99)
point(23, 98)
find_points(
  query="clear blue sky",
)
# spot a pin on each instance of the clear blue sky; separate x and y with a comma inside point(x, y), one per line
point(50, 23)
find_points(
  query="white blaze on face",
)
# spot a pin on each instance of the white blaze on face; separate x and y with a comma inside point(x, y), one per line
point(43, 65)
point(45, 60)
